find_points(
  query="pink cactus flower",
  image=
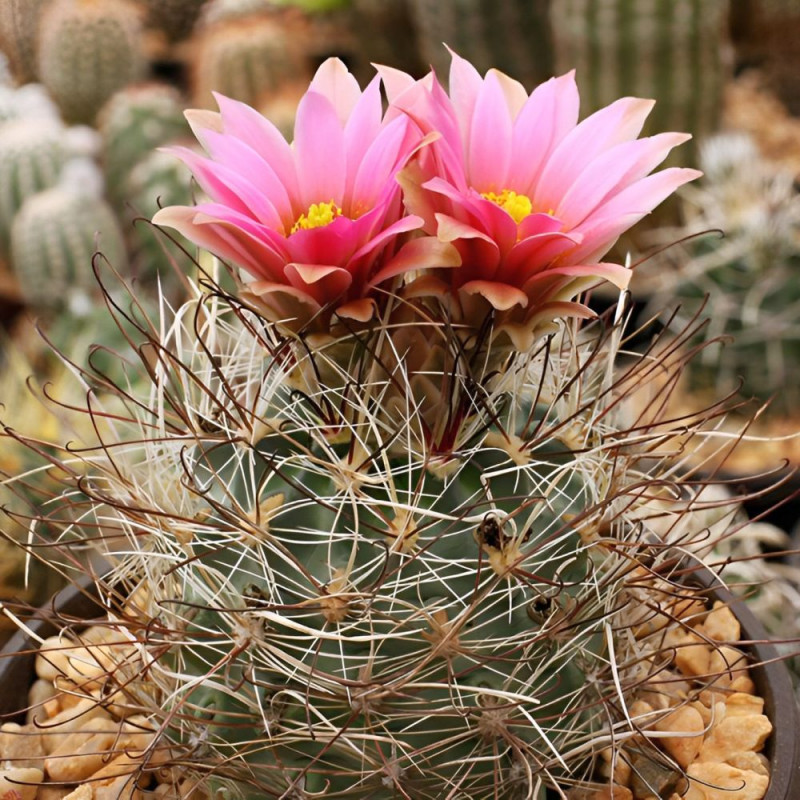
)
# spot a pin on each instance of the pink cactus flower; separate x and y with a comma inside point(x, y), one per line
point(316, 225)
point(531, 198)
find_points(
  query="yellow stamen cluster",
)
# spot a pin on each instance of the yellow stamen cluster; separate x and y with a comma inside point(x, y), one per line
point(317, 216)
point(518, 205)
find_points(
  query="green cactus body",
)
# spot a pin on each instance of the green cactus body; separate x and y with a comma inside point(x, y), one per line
point(247, 58)
point(671, 50)
point(132, 124)
point(19, 28)
point(512, 35)
point(53, 239)
point(32, 154)
point(373, 576)
point(88, 50)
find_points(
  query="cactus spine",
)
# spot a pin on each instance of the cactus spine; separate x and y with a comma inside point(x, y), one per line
point(88, 50)
point(372, 574)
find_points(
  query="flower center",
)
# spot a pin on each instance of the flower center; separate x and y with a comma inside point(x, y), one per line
point(518, 205)
point(317, 216)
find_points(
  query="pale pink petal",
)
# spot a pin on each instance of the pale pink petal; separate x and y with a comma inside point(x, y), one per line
point(201, 120)
point(542, 123)
point(361, 310)
point(245, 123)
point(515, 93)
point(500, 296)
point(320, 153)
point(377, 166)
point(614, 273)
point(602, 228)
point(363, 129)
point(490, 141)
point(419, 254)
point(334, 81)
point(243, 160)
point(465, 85)
point(224, 239)
point(611, 125)
point(612, 171)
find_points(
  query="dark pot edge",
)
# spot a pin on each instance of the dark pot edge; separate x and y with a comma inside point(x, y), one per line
point(769, 672)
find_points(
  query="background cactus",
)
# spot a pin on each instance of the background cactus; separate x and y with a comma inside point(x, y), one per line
point(675, 51)
point(32, 154)
point(512, 35)
point(19, 31)
point(54, 237)
point(174, 17)
point(246, 57)
point(132, 124)
point(742, 272)
point(89, 49)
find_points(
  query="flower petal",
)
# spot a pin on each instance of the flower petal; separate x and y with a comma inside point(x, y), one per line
point(500, 296)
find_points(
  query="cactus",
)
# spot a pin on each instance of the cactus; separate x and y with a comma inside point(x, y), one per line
point(156, 181)
point(745, 277)
point(88, 50)
point(53, 239)
point(175, 18)
point(19, 30)
point(32, 153)
point(246, 57)
point(671, 50)
point(512, 35)
point(134, 122)
point(398, 535)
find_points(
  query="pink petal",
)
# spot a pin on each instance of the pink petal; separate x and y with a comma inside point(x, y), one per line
point(319, 150)
point(534, 253)
point(601, 229)
point(378, 165)
point(620, 121)
point(419, 254)
point(224, 239)
point(255, 130)
point(542, 123)
point(612, 171)
point(489, 153)
point(242, 159)
point(362, 127)
point(334, 81)
point(500, 296)
point(465, 85)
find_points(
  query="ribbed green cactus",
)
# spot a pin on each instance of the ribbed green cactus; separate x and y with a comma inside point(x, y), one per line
point(89, 49)
point(32, 153)
point(671, 50)
point(135, 121)
point(371, 567)
point(746, 277)
point(19, 31)
point(53, 239)
point(246, 57)
point(511, 35)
